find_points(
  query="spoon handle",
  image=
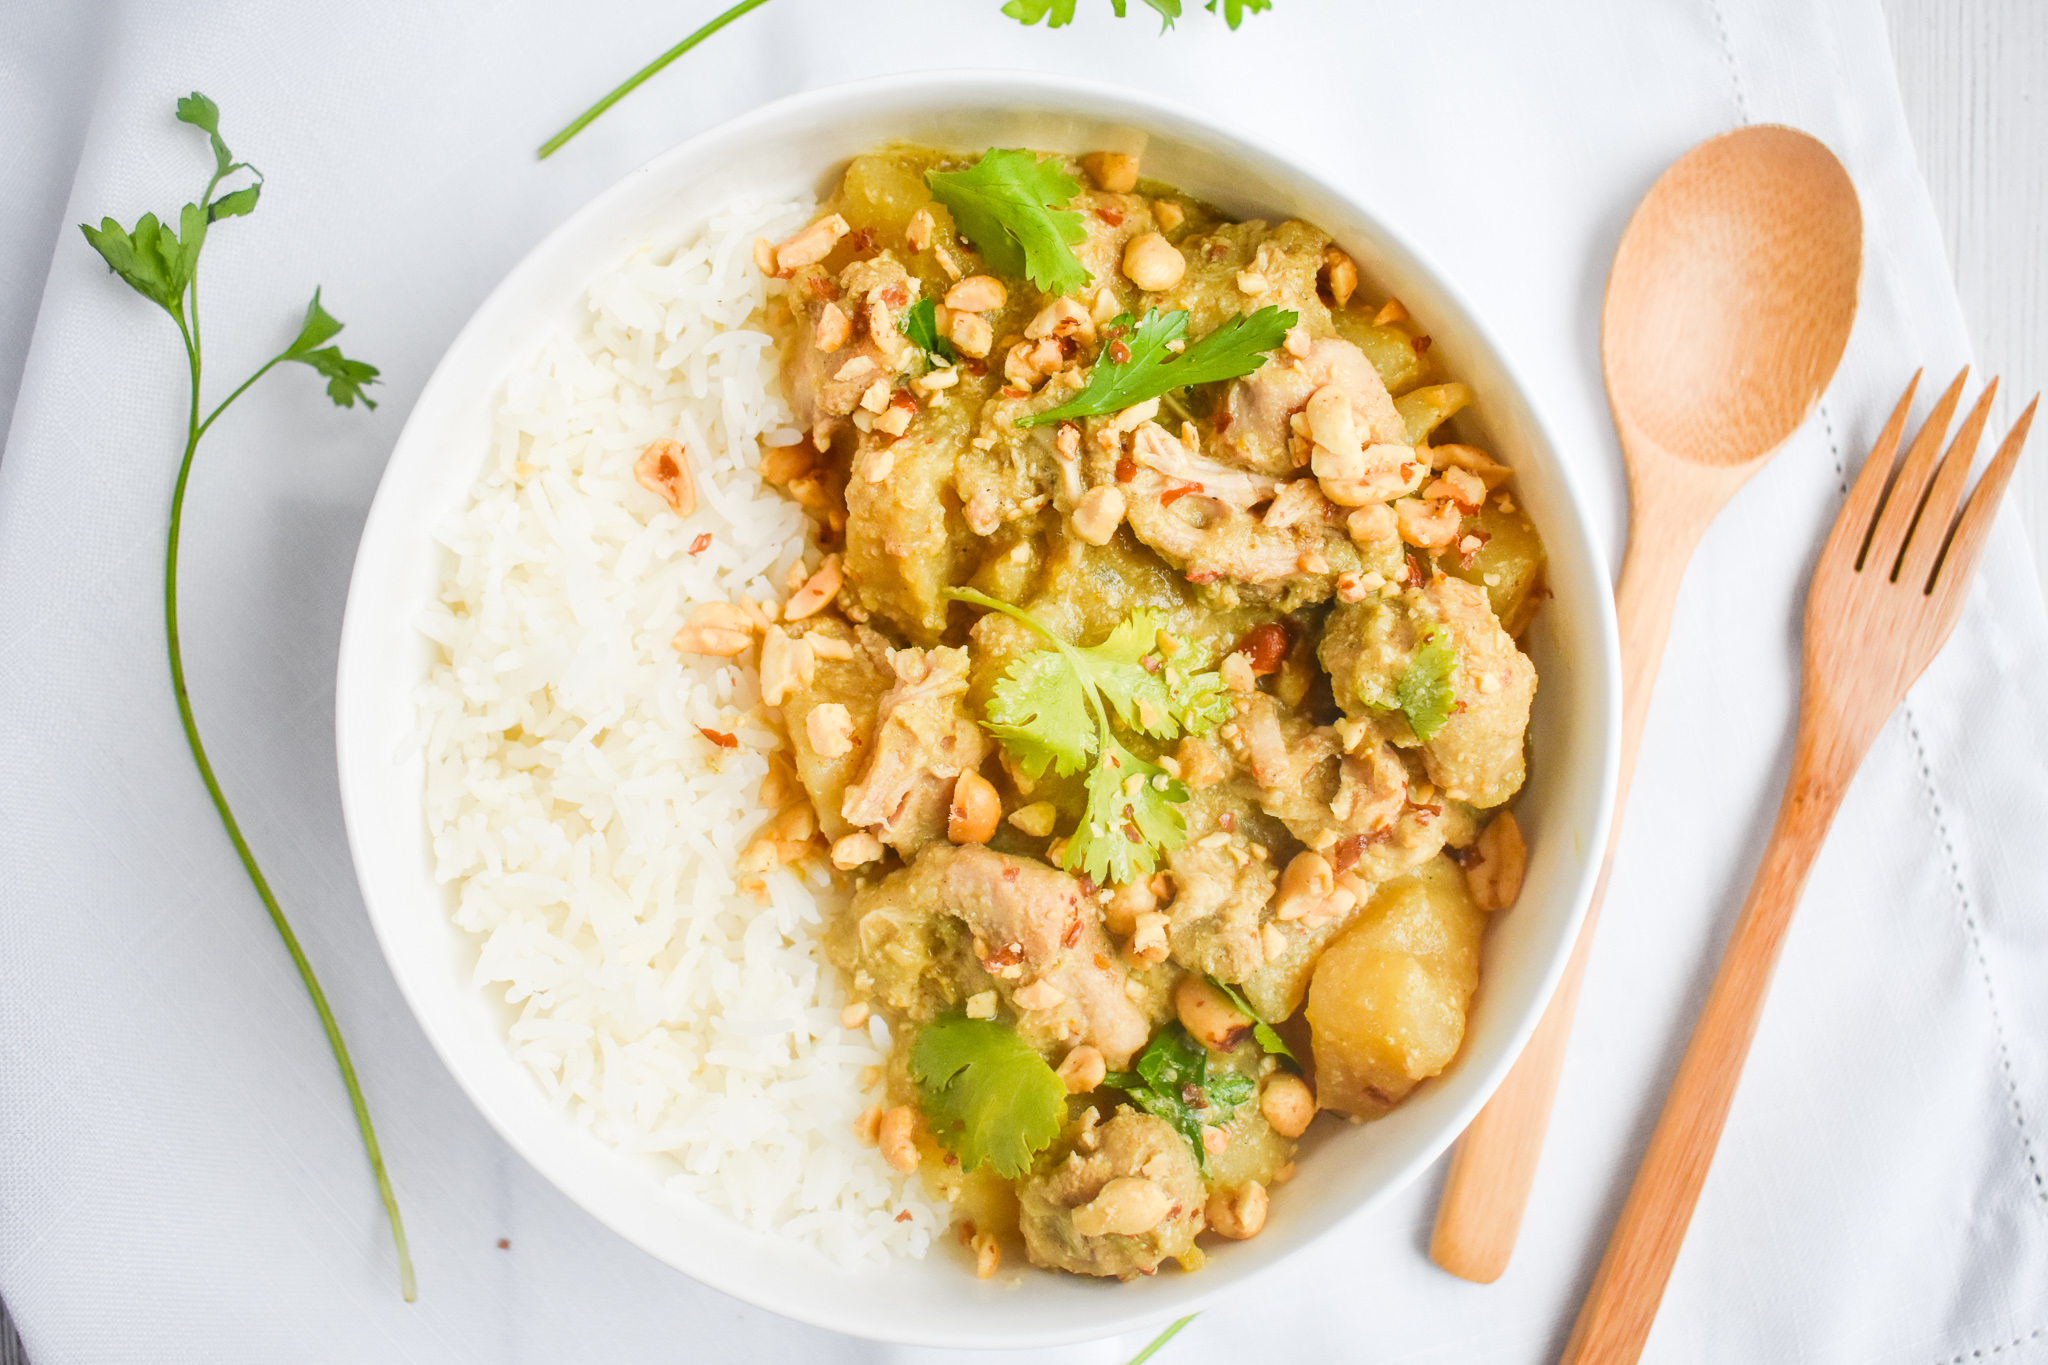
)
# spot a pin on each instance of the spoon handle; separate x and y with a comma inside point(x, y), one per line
point(1487, 1186)
point(1614, 1322)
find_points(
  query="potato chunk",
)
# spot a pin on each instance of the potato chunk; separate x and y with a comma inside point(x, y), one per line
point(1386, 1005)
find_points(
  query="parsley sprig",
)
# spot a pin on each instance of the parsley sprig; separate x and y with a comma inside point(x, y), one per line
point(987, 1096)
point(161, 263)
point(1145, 367)
point(1172, 1080)
point(1052, 708)
point(1009, 205)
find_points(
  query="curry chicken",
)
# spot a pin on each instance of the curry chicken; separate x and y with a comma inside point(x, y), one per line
point(1158, 693)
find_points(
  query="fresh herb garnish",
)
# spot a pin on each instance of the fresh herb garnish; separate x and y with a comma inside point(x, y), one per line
point(1061, 12)
point(1009, 205)
point(986, 1094)
point(1025, 11)
point(1147, 369)
point(1172, 1080)
point(1052, 708)
point(162, 264)
point(1262, 1031)
point(1425, 692)
point(920, 323)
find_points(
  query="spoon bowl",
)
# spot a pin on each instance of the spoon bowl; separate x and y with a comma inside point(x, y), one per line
point(1732, 296)
point(1729, 305)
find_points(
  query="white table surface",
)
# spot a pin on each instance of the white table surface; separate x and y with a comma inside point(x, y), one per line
point(1977, 104)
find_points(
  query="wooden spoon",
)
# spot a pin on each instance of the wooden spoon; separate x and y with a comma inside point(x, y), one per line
point(1727, 310)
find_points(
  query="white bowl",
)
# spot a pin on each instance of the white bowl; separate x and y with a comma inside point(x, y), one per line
point(798, 145)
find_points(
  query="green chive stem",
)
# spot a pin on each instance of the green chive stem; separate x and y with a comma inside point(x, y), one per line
point(1141, 1357)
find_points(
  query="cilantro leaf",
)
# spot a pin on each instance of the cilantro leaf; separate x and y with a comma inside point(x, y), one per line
point(1039, 711)
point(1150, 370)
point(1234, 11)
point(203, 114)
point(1133, 815)
point(1008, 205)
point(986, 1094)
point(1425, 693)
point(920, 323)
point(345, 377)
point(148, 257)
point(1262, 1031)
point(1172, 1080)
point(1031, 11)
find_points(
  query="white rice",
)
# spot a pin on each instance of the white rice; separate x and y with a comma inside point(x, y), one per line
point(589, 827)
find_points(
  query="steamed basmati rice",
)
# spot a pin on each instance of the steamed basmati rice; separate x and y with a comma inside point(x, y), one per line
point(587, 824)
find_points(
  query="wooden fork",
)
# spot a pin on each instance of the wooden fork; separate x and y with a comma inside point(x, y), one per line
point(1886, 593)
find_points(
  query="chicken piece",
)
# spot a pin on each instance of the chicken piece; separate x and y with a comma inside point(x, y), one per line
point(1242, 267)
point(1210, 539)
point(856, 683)
point(1007, 472)
point(1043, 915)
point(826, 386)
point(1310, 782)
point(1221, 893)
point(1121, 1209)
point(922, 740)
point(1477, 756)
point(1255, 422)
point(900, 946)
point(1154, 448)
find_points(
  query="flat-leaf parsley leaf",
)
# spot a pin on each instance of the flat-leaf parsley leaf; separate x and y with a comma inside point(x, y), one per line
point(1148, 369)
point(986, 1094)
point(1009, 204)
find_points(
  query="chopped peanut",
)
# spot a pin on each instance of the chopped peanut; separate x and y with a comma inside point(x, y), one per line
point(829, 729)
point(1035, 819)
point(662, 469)
point(977, 294)
point(1238, 1213)
point(811, 245)
point(1153, 263)
point(856, 849)
point(1082, 1070)
point(975, 812)
point(897, 1136)
point(1494, 872)
point(1428, 525)
point(971, 335)
point(834, 328)
point(1100, 512)
point(1287, 1103)
point(1126, 1206)
point(818, 590)
point(1168, 214)
point(1343, 273)
point(1116, 172)
point(784, 664)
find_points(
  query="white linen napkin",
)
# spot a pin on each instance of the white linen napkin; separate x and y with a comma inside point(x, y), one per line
point(179, 1176)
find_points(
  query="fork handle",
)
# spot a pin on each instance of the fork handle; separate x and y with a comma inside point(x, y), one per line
point(1614, 1321)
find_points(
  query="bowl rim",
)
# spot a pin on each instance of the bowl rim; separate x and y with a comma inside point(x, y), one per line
point(1095, 99)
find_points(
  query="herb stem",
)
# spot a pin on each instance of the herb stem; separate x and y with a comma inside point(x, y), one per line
point(194, 429)
point(1141, 1357)
point(583, 120)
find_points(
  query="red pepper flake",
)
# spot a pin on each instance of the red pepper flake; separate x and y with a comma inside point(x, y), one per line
point(823, 287)
point(1264, 646)
point(1176, 493)
point(1119, 353)
point(1010, 874)
point(1421, 345)
point(1131, 830)
point(1126, 469)
point(1348, 852)
point(1102, 962)
point(1229, 821)
point(902, 399)
point(1150, 663)
point(1459, 709)
point(1088, 886)
point(701, 543)
point(1009, 392)
point(1073, 934)
point(903, 1217)
point(1201, 577)
point(1221, 421)
point(1110, 216)
point(720, 738)
point(1413, 576)
point(862, 241)
point(975, 366)
point(504, 1244)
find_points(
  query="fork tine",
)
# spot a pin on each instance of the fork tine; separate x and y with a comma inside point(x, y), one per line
point(1852, 523)
point(1959, 561)
point(1929, 532)
point(1902, 503)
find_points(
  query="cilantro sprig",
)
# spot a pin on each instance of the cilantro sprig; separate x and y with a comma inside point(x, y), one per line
point(1009, 205)
point(1052, 708)
point(1172, 1080)
point(1147, 368)
point(986, 1094)
point(1264, 1033)
point(161, 263)
point(1059, 12)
